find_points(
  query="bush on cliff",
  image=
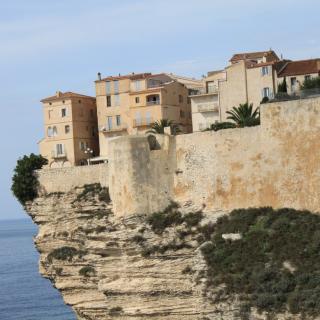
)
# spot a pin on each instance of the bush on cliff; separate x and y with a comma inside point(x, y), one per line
point(24, 183)
point(275, 264)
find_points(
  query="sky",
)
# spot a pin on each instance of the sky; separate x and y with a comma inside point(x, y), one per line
point(48, 45)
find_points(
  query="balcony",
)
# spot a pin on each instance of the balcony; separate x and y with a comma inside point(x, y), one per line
point(153, 99)
point(208, 107)
point(204, 91)
point(121, 127)
point(58, 155)
point(142, 122)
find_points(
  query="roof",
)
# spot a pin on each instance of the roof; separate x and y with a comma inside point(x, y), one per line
point(132, 76)
point(301, 67)
point(212, 73)
point(253, 55)
point(65, 95)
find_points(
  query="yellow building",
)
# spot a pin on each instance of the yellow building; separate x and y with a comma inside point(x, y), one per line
point(129, 104)
point(71, 132)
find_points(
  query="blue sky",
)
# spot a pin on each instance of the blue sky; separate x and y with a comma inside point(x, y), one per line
point(62, 44)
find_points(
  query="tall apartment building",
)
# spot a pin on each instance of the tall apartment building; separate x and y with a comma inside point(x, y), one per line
point(249, 77)
point(71, 131)
point(129, 104)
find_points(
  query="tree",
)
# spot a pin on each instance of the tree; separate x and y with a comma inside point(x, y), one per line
point(311, 83)
point(282, 86)
point(244, 115)
point(24, 183)
point(158, 126)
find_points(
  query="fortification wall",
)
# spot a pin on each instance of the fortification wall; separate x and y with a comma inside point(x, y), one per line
point(274, 164)
point(65, 179)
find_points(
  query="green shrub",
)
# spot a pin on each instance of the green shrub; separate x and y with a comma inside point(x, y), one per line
point(192, 219)
point(253, 267)
point(116, 311)
point(64, 253)
point(171, 216)
point(90, 190)
point(24, 183)
point(138, 239)
point(311, 83)
point(87, 271)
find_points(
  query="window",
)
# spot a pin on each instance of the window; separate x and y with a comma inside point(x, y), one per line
point(49, 114)
point(264, 70)
point(180, 98)
point(91, 113)
point(211, 87)
point(182, 115)
point(81, 112)
point(118, 120)
point(137, 100)
point(79, 101)
point(116, 86)
point(49, 132)
point(108, 101)
point(117, 100)
point(109, 123)
point(93, 131)
point(108, 87)
point(148, 117)
point(188, 100)
point(54, 131)
point(63, 112)
point(137, 85)
point(138, 118)
point(82, 145)
point(266, 92)
point(59, 149)
point(67, 129)
point(307, 77)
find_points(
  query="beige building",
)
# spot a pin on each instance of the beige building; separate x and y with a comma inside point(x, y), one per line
point(71, 133)
point(128, 105)
point(249, 77)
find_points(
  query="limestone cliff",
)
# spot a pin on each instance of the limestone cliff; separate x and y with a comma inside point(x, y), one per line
point(110, 267)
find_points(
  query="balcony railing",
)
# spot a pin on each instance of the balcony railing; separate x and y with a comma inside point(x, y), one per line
point(142, 122)
point(153, 102)
point(58, 155)
point(208, 107)
point(202, 91)
point(121, 127)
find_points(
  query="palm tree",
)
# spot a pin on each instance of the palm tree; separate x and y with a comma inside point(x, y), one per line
point(158, 126)
point(244, 115)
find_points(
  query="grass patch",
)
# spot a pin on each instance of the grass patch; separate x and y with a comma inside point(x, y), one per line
point(64, 254)
point(91, 190)
point(254, 267)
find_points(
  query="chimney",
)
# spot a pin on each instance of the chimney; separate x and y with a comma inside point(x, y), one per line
point(99, 76)
point(58, 94)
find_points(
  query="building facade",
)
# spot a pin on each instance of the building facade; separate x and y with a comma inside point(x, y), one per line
point(71, 131)
point(128, 105)
point(249, 78)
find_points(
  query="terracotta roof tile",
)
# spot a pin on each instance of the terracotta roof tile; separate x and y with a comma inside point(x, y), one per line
point(65, 95)
point(128, 76)
point(295, 68)
point(253, 55)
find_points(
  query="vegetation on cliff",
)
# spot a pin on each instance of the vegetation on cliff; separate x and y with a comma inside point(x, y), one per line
point(274, 264)
point(24, 183)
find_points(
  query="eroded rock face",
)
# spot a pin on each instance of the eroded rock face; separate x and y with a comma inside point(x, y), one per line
point(108, 267)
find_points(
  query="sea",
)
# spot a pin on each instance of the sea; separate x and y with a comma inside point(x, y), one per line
point(24, 294)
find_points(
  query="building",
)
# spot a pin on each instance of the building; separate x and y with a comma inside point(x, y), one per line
point(71, 132)
point(205, 102)
point(249, 77)
point(129, 104)
point(296, 72)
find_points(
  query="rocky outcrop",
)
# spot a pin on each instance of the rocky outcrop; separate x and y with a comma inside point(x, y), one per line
point(108, 267)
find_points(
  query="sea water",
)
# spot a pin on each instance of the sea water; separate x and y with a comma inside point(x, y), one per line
point(24, 294)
